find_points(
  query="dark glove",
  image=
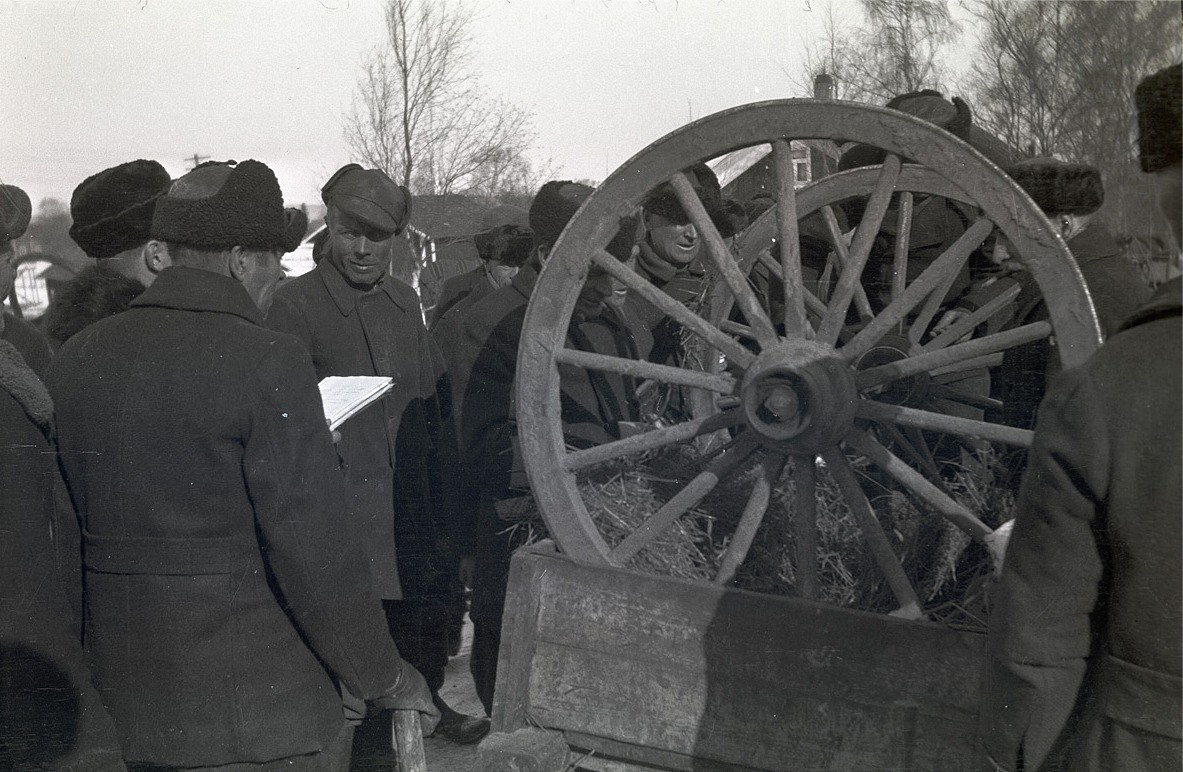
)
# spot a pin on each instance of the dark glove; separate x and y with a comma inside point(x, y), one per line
point(410, 692)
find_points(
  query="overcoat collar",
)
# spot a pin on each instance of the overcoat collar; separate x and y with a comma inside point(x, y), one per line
point(1166, 301)
point(194, 289)
point(346, 296)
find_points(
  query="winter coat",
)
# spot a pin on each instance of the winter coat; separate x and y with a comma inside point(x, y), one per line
point(471, 285)
point(50, 712)
point(400, 453)
point(95, 293)
point(225, 592)
point(28, 340)
point(1085, 639)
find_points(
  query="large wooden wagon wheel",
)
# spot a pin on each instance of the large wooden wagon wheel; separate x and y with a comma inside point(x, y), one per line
point(806, 390)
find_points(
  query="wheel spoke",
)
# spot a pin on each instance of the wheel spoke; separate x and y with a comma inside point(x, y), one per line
point(811, 301)
point(885, 557)
point(745, 298)
point(939, 422)
point(930, 494)
point(790, 242)
point(805, 520)
point(672, 308)
point(639, 368)
point(737, 329)
point(959, 368)
point(954, 355)
point(899, 266)
point(942, 391)
point(753, 515)
point(842, 254)
point(652, 440)
point(860, 250)
point(943, 269)
point(683, 500)
point(968, 324)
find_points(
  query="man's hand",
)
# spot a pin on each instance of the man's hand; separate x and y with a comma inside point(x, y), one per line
point(410, 692)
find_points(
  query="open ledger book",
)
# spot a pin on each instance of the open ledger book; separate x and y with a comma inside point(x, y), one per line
point(346, 395)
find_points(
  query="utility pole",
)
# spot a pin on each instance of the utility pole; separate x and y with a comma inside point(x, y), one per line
point(197, 160)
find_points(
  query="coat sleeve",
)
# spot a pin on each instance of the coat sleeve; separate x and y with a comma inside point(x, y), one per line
point(298, 493)
point(1041, 628)
point(284, 316)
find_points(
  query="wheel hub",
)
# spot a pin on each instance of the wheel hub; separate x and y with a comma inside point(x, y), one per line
point(799, 396)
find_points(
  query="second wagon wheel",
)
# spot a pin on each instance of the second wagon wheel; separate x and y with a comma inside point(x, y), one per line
point(808, 390)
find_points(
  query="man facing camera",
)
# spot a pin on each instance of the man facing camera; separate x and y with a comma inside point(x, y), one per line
point(357, 319)
point(226, 595)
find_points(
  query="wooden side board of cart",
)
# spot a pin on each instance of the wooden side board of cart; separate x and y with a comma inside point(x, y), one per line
point(674, 675)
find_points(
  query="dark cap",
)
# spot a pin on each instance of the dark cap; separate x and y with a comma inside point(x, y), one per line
point(1159, 99)
point(553, 207)
point(954, 116)
point(15, 212)
point(112, 210)
point(370, 196)
point(295, 227)
point(220, 205)
point(507, 244)
point(664, 202)
point(1059, 187)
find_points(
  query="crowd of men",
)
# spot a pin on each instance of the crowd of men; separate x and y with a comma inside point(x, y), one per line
point(196, 574)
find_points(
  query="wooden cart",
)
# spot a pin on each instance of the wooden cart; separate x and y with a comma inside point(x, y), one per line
point(688, 675)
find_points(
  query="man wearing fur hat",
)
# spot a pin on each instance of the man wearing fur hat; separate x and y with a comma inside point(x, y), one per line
point(1086, 637)
point(502, 230)
point(1069, 194)
point(112, 219)
point(355, 318)
point(226, 596)
point(597, 406)
point(15, 212)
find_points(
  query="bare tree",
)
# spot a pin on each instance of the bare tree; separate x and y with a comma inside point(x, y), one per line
point(1058, 78)
point(901, 49)
point(896, 50)
point(420, 114)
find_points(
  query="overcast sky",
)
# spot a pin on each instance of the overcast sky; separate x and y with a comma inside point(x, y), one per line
point(88, 84)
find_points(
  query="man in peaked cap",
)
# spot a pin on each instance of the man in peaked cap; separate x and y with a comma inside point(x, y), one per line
point(226, 594)
point(15, 212)
point(355, 318)
point(1086, 633)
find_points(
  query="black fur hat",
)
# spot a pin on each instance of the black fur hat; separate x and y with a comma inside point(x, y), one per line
point(15, 211)
point(664, 202)
point(220, 205)
point(295, 226)
point(1159, 99)
point(553, 207)
point(507, 244)
point(112, 210)
point(1059, 187)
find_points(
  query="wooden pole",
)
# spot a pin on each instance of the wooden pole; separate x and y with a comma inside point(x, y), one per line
point(408, 742)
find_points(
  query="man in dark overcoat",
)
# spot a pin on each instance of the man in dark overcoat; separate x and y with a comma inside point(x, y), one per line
point(226, 594)
point(400, 453)
point(51, 715)
point(596, 406)
point(1086, 639)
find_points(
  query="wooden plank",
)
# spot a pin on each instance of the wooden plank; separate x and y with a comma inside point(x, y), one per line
point(518, 629)
point(659, 707)
point(675, 669)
